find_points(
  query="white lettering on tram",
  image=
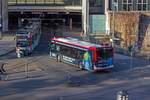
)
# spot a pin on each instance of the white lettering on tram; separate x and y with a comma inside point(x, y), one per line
point(68, 59)
point(53, 54)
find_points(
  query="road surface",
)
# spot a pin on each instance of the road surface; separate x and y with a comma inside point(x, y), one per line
point(47, 79)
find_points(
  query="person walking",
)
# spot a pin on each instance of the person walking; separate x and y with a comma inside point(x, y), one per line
point(2, 70)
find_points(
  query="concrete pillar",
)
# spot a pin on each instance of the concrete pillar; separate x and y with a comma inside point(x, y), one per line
point(4, 15)
point(70, 24)
point(19, 22)
point(85, 16)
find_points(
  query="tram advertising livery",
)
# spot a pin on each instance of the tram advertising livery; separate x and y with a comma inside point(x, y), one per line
point(27, 38)
point(85, 55)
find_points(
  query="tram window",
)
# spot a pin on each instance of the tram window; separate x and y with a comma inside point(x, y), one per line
point(66, 50)
point(79, 54)
point(71, 52)
point(22, 44)
point(104, 53)
point(53, 47)
point(57, 48)
point(74, 53)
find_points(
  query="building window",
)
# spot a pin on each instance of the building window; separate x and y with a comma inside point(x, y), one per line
point(115, 5)
point(39, 1)
point(127, 5)
point(11, 2)
point(142, 5)
point(21, 1)
point(30, 1)
point(95, 3)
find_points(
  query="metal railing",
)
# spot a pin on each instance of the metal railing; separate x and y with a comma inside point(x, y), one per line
point(46, 2)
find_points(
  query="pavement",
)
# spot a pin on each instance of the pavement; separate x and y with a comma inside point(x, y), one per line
point(53, 83)
point(7, 45)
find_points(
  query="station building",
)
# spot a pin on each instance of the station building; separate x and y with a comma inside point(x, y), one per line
point(87, 16)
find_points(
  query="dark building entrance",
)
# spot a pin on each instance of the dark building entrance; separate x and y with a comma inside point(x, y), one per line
point(57, 21)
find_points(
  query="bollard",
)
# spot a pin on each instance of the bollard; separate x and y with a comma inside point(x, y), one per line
point(122, 95)
point(131, 61)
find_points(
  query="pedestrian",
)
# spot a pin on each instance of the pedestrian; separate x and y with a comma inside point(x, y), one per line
point(18, 53)
point(2, 70)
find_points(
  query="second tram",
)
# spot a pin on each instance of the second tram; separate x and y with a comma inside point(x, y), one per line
point(27, 38)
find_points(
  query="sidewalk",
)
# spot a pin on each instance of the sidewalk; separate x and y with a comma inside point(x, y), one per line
point(7, 45)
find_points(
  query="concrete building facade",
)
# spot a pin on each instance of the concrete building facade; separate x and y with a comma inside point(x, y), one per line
point(88, 16)
point(89, 11)
point(70, 13)
point(92, 7)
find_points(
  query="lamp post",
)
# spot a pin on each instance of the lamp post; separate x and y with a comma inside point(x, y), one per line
point(1, 23)
point(113, 34)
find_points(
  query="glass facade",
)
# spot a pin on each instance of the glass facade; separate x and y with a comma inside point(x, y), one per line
point(96, 3)
point(46, 2)
point(97, 6)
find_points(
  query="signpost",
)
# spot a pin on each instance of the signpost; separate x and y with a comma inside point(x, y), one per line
point(131, 60)
point(131, 50)
point(115, 4)
point(1, 19)
point(26, 68)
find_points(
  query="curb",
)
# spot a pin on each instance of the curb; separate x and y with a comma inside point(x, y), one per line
point(126, 53)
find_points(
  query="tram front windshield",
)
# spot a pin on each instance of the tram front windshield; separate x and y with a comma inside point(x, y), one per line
point(104, 53)
point(22, 44)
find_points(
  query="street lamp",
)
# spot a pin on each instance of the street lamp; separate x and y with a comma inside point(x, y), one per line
point(1, 19)
point(114, 9)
